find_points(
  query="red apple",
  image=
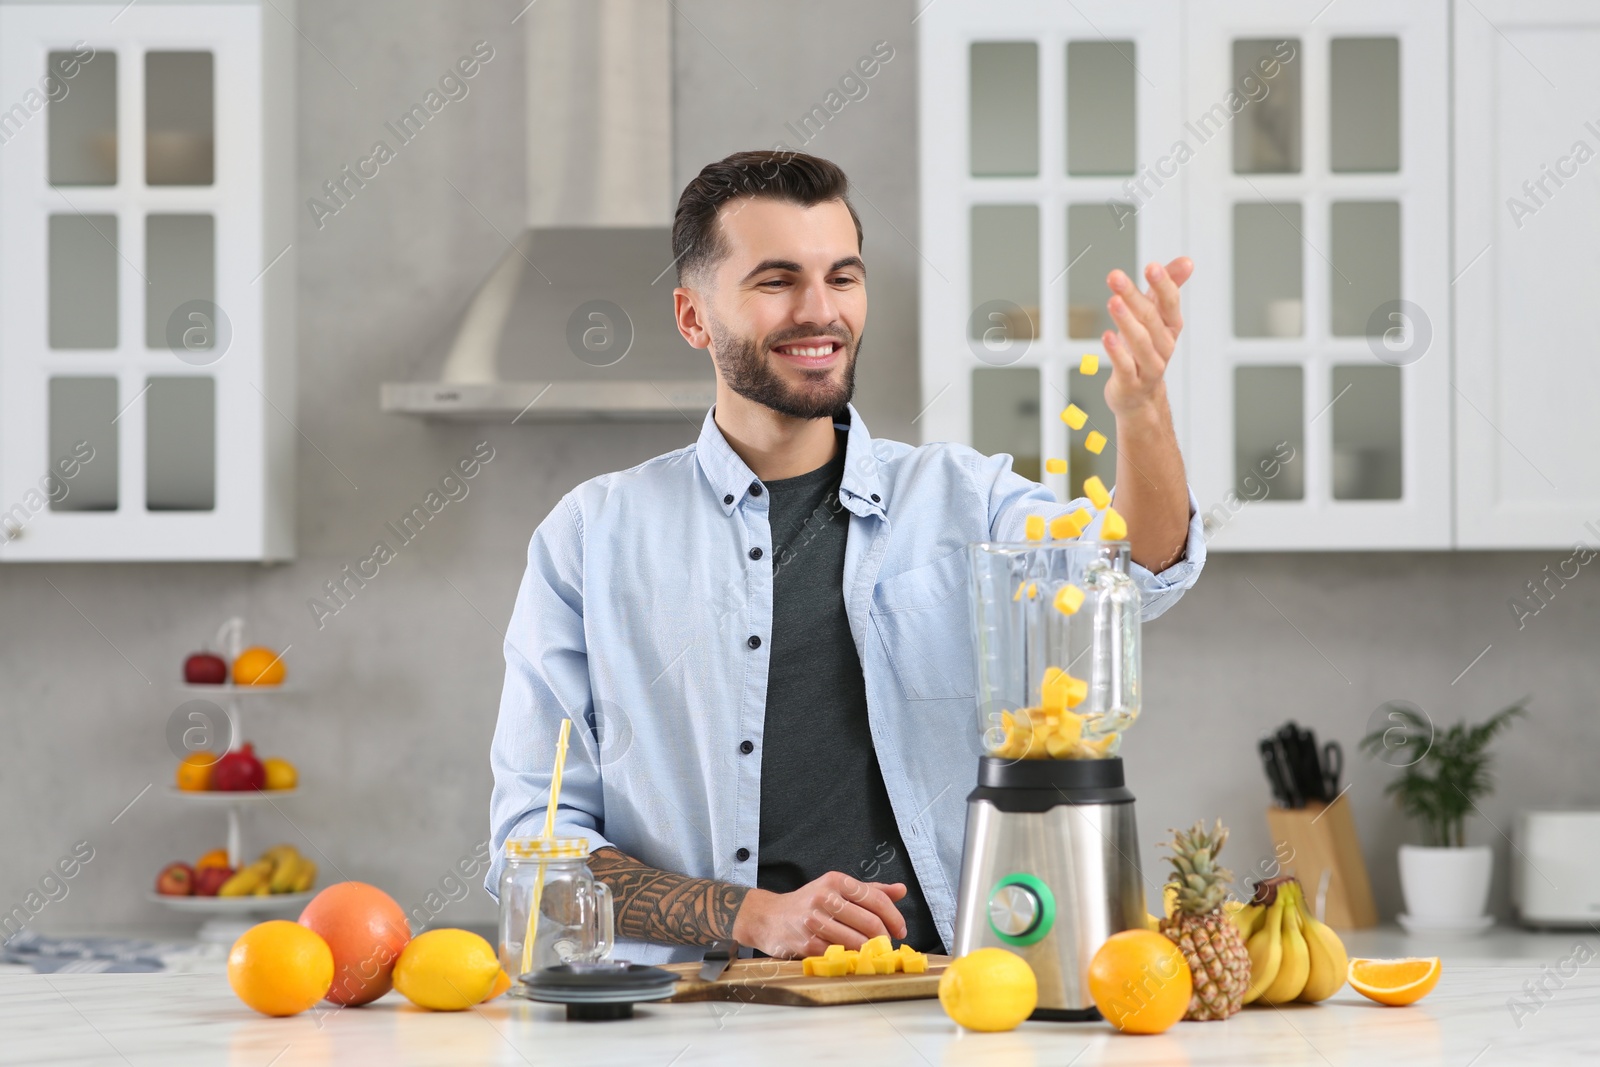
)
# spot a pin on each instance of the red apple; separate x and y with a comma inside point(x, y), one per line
point(239, 770)
point(207, 880)
point(176, 880)
point(205, 668)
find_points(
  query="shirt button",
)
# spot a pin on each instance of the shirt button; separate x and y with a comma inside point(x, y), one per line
point(755, 488)
point(728, 499)
point(754, 642)
point(747, 747)
point(876, 498)
point(755, 553)
point(742, 855)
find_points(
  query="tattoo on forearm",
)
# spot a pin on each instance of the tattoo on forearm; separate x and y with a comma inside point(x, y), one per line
point(657, 905)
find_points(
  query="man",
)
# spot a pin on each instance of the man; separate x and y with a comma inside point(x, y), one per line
point(763, 638)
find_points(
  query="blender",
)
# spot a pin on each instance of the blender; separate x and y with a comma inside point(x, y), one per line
point(1050, 868)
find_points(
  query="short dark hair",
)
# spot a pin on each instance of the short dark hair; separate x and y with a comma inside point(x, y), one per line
point(697, 241)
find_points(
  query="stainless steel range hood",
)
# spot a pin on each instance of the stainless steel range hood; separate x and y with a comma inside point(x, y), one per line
point(575, 320)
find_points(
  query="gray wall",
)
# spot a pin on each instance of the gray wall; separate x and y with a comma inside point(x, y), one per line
point(399, 690)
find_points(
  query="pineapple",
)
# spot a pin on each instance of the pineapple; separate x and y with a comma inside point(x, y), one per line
point(1201, 927)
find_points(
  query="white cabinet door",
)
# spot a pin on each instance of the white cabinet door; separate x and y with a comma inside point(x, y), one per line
point(140, 335)
point(1040, 123)
point(1527, 225)
point(1318, 326)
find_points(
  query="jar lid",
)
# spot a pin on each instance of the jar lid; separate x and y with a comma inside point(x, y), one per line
point(547, 848)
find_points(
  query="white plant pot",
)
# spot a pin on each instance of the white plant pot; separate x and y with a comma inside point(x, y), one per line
point(1445, 885)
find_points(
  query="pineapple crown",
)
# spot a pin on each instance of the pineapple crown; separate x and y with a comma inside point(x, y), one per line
point(1202, 884)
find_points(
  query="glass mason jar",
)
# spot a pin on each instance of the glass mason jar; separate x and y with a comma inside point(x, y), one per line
point(550, 879)
point(1057, 678)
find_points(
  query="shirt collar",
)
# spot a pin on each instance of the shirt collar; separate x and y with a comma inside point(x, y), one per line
point(860, 489)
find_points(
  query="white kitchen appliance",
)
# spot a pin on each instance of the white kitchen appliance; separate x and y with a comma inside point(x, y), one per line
point(1555, 867)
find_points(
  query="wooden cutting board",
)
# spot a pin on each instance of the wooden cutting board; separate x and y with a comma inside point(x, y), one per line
point(769, 981)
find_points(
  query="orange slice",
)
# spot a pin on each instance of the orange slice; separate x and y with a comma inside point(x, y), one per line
point(1394, 982)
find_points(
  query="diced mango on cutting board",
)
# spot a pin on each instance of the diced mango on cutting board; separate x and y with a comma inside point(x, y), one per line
point(877, 956)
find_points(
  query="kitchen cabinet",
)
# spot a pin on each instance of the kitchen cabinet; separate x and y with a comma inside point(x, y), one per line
point(146, 281)
point(1527, 378)
point(1035, 118)
point(1366, 363)
point(1318, 325)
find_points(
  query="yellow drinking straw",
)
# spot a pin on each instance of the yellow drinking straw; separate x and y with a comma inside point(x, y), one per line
point(549, 833)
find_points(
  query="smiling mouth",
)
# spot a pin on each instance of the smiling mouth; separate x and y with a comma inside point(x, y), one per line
point(809, 354)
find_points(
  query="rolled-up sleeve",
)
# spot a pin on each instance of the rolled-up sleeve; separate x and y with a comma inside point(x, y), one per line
point(1012, 498)
point(547, 680)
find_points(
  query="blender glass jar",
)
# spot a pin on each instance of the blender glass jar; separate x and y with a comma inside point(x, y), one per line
point(1056, 628)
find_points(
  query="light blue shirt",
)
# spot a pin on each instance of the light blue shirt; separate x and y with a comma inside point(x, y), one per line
point(643, 617)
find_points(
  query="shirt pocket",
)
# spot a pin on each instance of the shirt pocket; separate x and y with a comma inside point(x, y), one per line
point(922, 619)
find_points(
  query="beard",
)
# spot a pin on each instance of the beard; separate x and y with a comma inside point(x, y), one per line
point(750, 371)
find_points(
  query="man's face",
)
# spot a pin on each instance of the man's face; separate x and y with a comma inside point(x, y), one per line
point(787, 306)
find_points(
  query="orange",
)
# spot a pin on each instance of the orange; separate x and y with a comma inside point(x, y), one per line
point(280, 773)
point(502, 982)
point(258, 666)
point(280, 967)
point(194, 771)
point(217, 857)
point(1140, 982)
point(1394, 982)
point(366, 930)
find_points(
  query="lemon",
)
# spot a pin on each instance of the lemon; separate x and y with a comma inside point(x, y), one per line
point(988, 990)
point(446, 970)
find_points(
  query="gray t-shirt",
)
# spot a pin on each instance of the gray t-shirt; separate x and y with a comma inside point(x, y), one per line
point(823, 803)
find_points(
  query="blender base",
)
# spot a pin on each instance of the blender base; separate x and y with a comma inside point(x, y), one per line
point(1066, 1015)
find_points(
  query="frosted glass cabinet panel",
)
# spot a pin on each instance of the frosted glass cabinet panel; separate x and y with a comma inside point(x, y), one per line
point(83, 118)
point(83, 281)
point(1364, 104)
point(1005, 416)
point(1100, 240)
point(1005, 268)
point(1101, 111)
point(179, 106)
point(147, 275)
point(1005, 108)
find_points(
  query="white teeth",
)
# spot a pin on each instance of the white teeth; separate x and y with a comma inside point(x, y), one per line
point(795, 350)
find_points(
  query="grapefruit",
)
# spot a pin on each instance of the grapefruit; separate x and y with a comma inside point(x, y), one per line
point(366, 930)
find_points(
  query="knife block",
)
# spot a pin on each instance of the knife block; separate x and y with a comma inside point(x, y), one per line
point(1322, 837)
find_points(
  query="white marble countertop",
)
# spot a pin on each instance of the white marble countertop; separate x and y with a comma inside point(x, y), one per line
point(174, 1020)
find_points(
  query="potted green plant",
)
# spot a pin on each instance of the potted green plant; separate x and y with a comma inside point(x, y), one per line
point(1444, 775)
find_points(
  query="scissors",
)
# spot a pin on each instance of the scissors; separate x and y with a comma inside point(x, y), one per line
point(1332, 766)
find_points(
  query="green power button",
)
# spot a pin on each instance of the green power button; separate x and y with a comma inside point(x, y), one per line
point(1021, 909)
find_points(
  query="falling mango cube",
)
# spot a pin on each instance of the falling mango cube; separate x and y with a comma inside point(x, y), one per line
point(1095, 490)
point(1114, 528)
point(1090, 363)
point(1055, 466)
point(1064, 528)
point(1082, 518)
point(1069, 598)
point(1095, 442)
point(1074, 416)
point(1034, 528)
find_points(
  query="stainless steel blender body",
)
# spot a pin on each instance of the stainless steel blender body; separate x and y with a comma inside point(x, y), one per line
point(1050, 870)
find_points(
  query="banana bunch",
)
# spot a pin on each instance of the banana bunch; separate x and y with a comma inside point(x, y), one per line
point(1292, 955)
point(281, 869)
